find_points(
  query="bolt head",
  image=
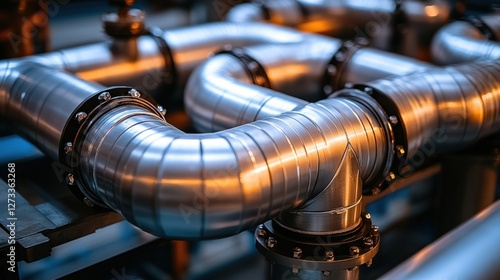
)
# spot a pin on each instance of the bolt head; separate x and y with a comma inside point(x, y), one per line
point(348, 44)
point(393, 120)
point(253, 65)
point(261, 232)
point(88, 202)
point(297, 252)
point(368, 216)
point(391, 177)
point(70, 179)
point(162, 110)
point(375, 229)
point(368, 242)
point(328, 89)
point(271, 242)
point(400, 150)
point(68, 148)
point(348, 85)
point(260, 81)
point(354, 250)
point(368, 90)
point(105, 96)
point(295, 270)
point(134, 93)
point(326, 273)
point(329, 255)
point(332, 70)
point(80, 117)
point(340, 56)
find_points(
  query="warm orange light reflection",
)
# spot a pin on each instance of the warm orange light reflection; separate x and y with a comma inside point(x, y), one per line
point(318, 26)
point(431, 10)
point(119, 69)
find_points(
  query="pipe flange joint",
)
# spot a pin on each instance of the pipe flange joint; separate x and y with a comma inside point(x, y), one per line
point(324, 253)
point(169, 77)
point(83, 117)
point(252, 66)
point(336, 65)
point(480, 25)
point(395, 129)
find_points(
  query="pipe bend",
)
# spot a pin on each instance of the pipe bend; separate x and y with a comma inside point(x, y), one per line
point(194, 186)
point(221, 93)
point(247, 12)
point(461, 42)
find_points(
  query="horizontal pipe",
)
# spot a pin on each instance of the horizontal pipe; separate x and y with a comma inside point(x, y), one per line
point(217, 184)
point(181, 185)
point(381, 21)
point(467, 252)
point(460, 42)
point(37, 101)
point(203, 185)
point(224, 86)
point(368, 64)
point(445, 109)
point(188, 47)
point(221, 94)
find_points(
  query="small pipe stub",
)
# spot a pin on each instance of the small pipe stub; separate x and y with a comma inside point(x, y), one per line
point(126, 22)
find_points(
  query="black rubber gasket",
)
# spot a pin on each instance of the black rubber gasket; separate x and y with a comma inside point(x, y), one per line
point(73, 130)
point(170, 84)
point(336, 65)
point(252, 66)
point(478, 23)
point(399, 138)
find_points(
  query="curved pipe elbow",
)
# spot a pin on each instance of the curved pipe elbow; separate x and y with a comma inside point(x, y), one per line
point(198, 186)
point(247, 12)
point(461, 42)
point(220, 94)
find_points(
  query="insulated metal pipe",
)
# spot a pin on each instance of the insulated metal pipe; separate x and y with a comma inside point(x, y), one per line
point(39, 101)
point(187, 47)
point(460, 254)
point(202, 186)
point(195, 186)
point(445, 109)
point(405, 26)
point(461, 41)
point(224, 84)
point(181, 185)
point(221, 94)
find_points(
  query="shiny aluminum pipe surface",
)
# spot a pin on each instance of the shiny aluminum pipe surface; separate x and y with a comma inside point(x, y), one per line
point(221, 95)
point(381, 21)
point(211, 185)
point(39, 101)
point(189, 47)
point(446, 109)
point(459, 254)
point(216, 184)
point(324, 17)
point(368, 64)
point(461, 42)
